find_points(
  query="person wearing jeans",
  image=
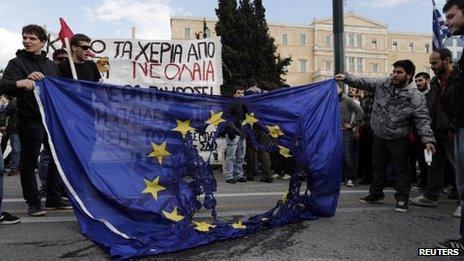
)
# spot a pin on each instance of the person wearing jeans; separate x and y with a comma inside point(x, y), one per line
point(235, 155)
point(235, 150)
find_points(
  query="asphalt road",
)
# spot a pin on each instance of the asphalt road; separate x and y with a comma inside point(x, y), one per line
point(357, 232)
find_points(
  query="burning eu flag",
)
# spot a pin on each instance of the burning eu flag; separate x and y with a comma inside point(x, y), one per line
point(125, 153)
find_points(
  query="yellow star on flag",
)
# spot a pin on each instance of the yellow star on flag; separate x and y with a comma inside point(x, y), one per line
point(284, 151)
point(249, 119)
point(183, 127)
point(159, 151)
point(153, 187)
point(274, 131)
point(203, 226)
point(173, 215)
point(238, 225)
point(215, 118)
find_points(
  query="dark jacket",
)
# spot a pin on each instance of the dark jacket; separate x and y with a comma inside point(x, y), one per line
point(11, 117)
point(441, 103)
point(19, 68)
point(458, 111)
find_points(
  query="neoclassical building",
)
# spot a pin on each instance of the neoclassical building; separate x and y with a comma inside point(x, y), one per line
point(370, 48)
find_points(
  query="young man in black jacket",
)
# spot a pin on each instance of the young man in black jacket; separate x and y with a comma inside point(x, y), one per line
point(454, 12)
point(9, 86)
point(32, 63)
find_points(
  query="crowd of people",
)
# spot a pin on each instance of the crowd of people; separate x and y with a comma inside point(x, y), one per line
point(389, 126)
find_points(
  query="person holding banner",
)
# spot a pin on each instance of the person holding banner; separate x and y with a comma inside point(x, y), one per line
point(32, 63)
point(81, 52)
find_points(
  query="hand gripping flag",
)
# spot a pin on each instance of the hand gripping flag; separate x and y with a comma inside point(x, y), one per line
point(127, 159)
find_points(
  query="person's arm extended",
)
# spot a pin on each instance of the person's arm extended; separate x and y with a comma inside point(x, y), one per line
point(361, 83)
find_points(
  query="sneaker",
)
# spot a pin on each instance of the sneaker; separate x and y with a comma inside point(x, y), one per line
point(448, 189)
point(350, 183)
point(457, 212)
point(36, 210)
point(286, 177)
point(7, 219)
point(62, 205)
point(401, 206)
point(422, 201)
point(275, 176)
point(266, 180)
point(242, 179)
point(452, 243)
point(371, 199)
point(417, 188)
point(231, 181)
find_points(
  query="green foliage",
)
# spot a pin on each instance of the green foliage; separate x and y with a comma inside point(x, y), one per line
point(248, 51)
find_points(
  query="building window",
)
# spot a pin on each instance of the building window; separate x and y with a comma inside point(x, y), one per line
point(375, 67)
point(427, 48)
point(359, 64)
point(355, 64)
point(284, 39)
point(303, 63)
point(351, 40)
point(359, 40)
point(328, 66)
point(351, 66)
point(395, 46)
point(374, 43)
point(411, 47)
point(187, 32)
point(207, 32)
point(303, 40)
point(328, 40)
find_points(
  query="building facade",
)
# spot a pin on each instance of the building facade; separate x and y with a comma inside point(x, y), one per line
point(370, 48)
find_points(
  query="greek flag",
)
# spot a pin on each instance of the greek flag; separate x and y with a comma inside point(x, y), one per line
point(440, 31)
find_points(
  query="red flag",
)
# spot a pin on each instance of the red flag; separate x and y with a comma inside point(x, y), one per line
point(65, 31)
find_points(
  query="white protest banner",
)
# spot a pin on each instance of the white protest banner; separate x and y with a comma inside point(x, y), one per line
point(191, 66)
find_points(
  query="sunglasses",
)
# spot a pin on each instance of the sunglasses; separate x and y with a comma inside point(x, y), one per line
point(84, 47)
point(60, 59)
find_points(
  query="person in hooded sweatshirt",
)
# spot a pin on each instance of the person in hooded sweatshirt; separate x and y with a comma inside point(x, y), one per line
point(397, 106)
point(32, 63)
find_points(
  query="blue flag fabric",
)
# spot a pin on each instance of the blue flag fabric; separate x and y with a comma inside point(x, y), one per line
point(129, 164)
point(440, 31)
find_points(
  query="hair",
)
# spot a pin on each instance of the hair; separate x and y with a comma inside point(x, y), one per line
point(423, 75)
point(251, 82)
point(38, 30)
point(444, 54)
point(407, 65)
point(78, 38)
point(458, 3)
point(238, 88)
point(58, 52)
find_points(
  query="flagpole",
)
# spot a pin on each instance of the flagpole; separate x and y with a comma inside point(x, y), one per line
point(70, 58)
point(132, 80)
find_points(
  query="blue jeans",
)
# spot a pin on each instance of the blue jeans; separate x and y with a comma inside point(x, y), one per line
point(43, 166)
point(348, 160)
point(235, 154)
point(15, 150)
point(2, 173)
point(459, 160)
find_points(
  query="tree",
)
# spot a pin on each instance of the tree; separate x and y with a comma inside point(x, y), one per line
point(248, 49)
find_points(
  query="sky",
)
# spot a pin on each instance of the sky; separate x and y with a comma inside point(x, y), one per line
point(115, 18)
